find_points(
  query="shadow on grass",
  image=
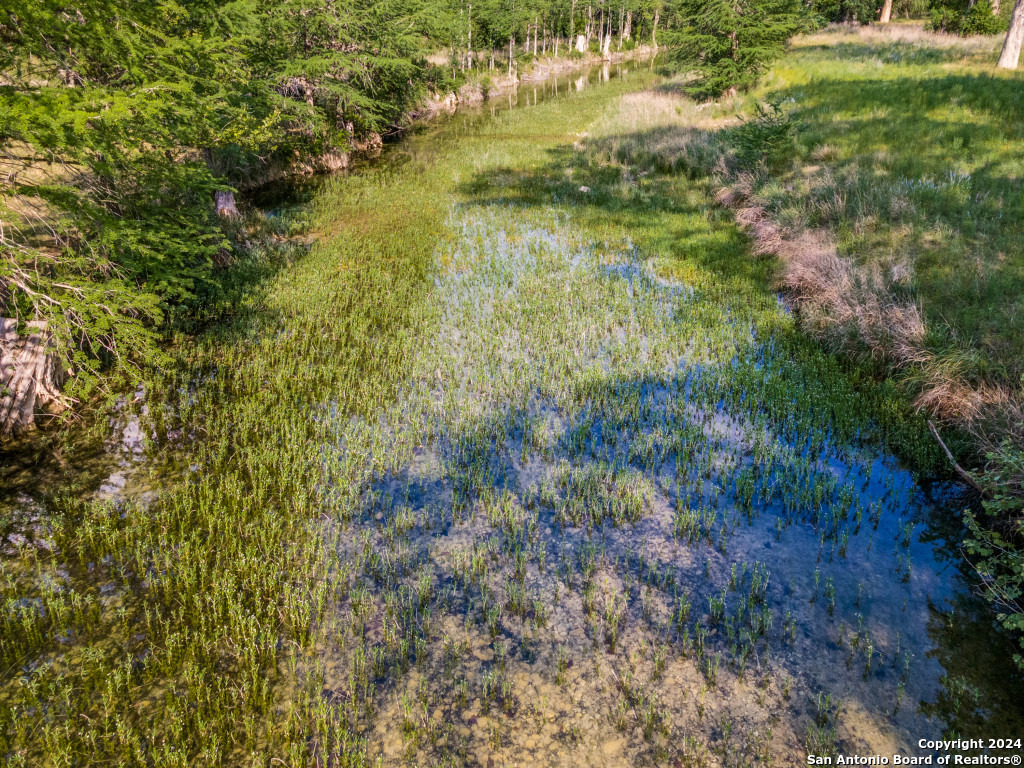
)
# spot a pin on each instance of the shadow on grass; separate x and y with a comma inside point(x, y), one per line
point(953, 146)
point(924, 165)
point(664, 221)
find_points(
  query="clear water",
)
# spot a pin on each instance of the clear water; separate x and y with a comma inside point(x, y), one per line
point(560, 388)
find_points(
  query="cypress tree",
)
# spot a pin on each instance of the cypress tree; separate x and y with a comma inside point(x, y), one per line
point(731, 43)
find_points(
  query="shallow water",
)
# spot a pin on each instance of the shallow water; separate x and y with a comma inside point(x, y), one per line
point(419, 140)
point(561, 427)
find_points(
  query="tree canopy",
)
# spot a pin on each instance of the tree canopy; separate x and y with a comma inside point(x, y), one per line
point(119, 120)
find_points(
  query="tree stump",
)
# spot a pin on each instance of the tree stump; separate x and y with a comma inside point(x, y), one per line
point(30, 376)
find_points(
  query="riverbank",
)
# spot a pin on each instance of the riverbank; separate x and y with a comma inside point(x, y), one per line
point(481, 86)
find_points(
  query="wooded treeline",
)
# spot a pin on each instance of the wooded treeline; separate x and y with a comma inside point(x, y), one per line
point(120, 120)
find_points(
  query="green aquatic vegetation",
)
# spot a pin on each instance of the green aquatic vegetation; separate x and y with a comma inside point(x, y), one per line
point(869, 655)
point(614, 612)
point(594, 493)
point(660, 658)
point(681, 613)
point(710, 669)
point(716, 609)
point(686, 525)
point(789, 628)
point(787, 687)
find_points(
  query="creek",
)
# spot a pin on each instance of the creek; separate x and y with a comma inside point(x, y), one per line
point(524, 463)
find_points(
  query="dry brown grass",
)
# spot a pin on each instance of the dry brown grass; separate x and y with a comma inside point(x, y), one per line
point(833, 292)
point(886, 34)
point(663, 128)
point(841, 301)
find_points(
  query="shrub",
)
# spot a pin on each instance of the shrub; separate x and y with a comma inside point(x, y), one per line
point(842, 11)
point(910, 9)
point(770, 137)
point(995, 539)
point(977, 19)
point(730, 45)
point(440, 79)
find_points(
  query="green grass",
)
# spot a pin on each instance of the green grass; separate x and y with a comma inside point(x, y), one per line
point(914, 151)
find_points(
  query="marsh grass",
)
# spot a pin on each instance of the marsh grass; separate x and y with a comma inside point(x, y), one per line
point(488, 477)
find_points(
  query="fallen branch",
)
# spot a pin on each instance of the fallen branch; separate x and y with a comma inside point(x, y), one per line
point(967, 477)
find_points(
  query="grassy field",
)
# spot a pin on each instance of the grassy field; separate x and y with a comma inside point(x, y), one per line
point(523, 463)
point(912, 155)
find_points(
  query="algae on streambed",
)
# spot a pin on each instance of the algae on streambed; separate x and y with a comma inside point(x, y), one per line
point(523, 465)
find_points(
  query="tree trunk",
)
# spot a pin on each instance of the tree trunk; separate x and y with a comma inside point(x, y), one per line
point(30, 376)
point(469, 38)
point(886, 12)
point(511, 43)
point(224, 203)
point(1014, 37)
point(581, 43)
point(654, 32)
